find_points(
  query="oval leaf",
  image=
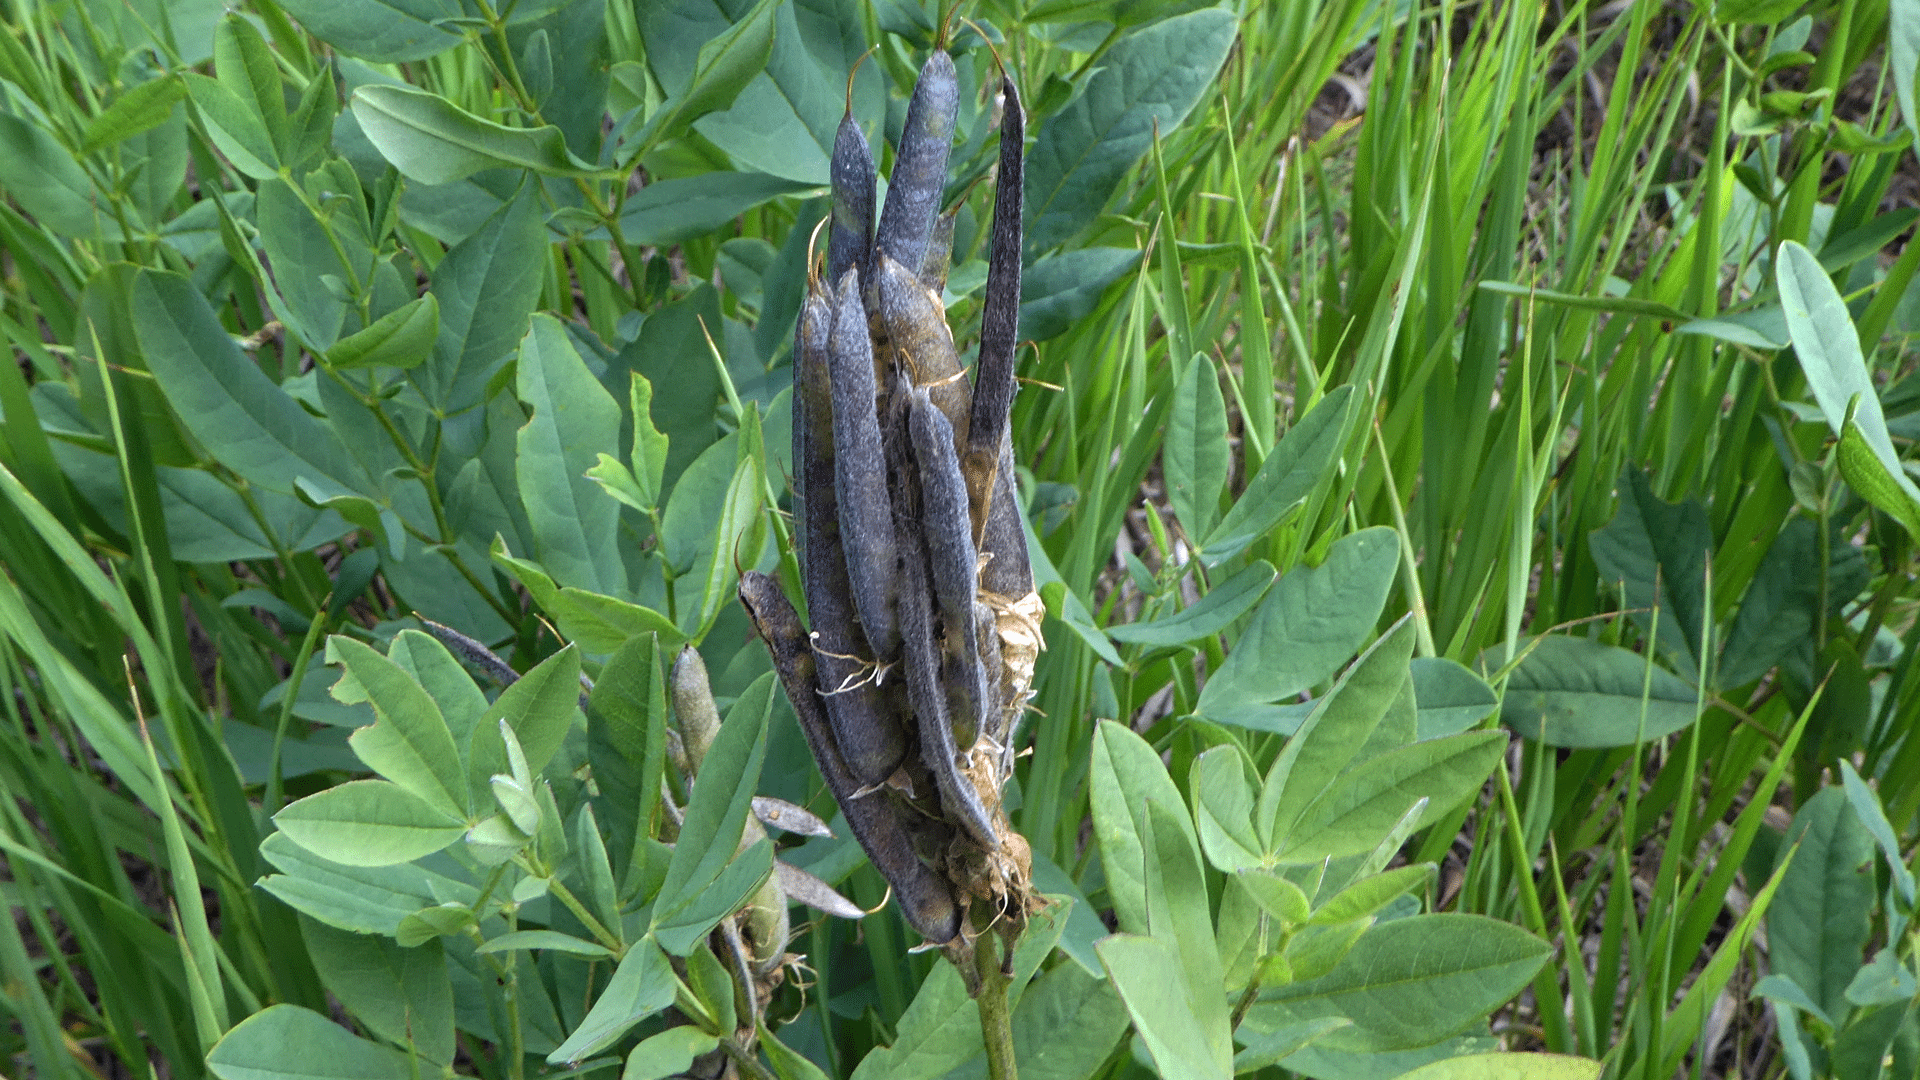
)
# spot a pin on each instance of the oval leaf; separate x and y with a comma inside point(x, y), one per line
point(1577, 693)
point(433, 141)
point(368, 823)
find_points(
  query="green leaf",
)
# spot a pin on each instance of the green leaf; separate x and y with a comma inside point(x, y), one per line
point(245, 421)
point(712, 1004)
point(287, 1042)
point(1866, 806)
point(1064, 604)
point(244, 65)
point(575, 522)
point(1277, 896)
point(143, 107)
point(368, 823)
point(724, 66)
point(1411, 982)
point(1903, 56)
point(1264, 1048)
point(1164, 1014)
point(1178, 911)
point(551, 940)
point(1215, 611)
point(1883, 981)
point(486, 288)
point(1310, 623)
point(1303, 458)
point(1617, 305)
point(618, 482)
point(1817, 927)
point(739, 512)
point(1450, 697)
point(42, 176)
point(1370, 894)
point(680, 928)
point(539, 707)
point(363, 900)
point(642, 985)
point(1150, 79)
point(402, 995)
point(454, 693)
point(1577, 693)
point(940, 1031)
point(788, 1065)
point(671, 353)
point(1658, 552)
point(1196, 456)
point(1057, 292)
point(668, 212)
point(433, 141)
point(410, 743)
point(626, 743)
point(669, 1053)
point(1364, 805)
point(383, 31)
point(1781, 606)
point(785, 120)
point(1223, 809)
point(1118, 12)
point(722, 797)
point(401, 338)
point(1828, 346)
point(648, 455)
point(1509, 1067)
point(1885, 486)
point(1127, 775)
point(234, 126)
point(1066, 1024)
point(1341, 724)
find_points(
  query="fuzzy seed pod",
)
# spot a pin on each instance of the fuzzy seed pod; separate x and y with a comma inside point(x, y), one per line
point(920, 167)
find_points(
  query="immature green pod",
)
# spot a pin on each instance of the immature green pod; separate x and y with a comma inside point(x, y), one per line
point(866, 513)
point(925, 897)
point(866, 727)
point(693, 709)
point(917, 329)
point(920, 167)
point(850, 239)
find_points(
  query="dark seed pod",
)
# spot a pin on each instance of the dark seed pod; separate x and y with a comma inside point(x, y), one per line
point(939, 256)
point(850, 240)
point(1000, 314)
point(920, 167)
point(917, 329)
point(866, 513)
point(1004, 539)
point(868, 732)
point(943, 758)
point(953, 565)
point(925, 897)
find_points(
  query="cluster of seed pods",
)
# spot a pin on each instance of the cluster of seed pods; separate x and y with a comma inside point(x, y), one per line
point(924, 620)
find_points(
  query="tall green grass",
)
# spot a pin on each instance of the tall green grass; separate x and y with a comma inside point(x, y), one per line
point(1538, 241)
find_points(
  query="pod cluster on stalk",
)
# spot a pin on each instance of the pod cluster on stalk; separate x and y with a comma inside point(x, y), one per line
point(924, 624)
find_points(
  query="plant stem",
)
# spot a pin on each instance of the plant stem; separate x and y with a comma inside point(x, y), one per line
point(745, 1058)
point(996, 1018)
